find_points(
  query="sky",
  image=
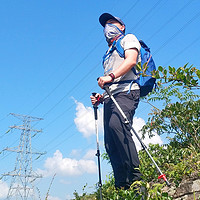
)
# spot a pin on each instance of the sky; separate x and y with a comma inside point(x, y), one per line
point(50, 57)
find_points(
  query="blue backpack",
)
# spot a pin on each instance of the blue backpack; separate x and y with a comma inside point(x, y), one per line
point(146, 82)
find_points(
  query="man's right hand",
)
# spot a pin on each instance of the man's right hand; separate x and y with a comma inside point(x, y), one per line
point(103, 80)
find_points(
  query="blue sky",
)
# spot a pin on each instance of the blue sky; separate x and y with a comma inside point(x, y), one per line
point(50, 57)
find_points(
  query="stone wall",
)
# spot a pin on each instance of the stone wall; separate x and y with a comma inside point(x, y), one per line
point(187, 190)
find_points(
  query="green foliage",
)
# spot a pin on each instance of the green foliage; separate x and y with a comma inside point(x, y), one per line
point(156, 193)
point(180, 115)
point(183, 76)
point(84, 195)
point(105, 157)
point(177, 163)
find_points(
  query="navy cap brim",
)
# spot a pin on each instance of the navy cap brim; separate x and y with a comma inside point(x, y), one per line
point(105, 17)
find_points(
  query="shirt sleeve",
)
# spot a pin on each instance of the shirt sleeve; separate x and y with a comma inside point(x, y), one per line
point(130, 42)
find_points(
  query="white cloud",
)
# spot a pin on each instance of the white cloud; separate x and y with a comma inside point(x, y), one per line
point(65, 182)
point(90, 154)
point(138, 123)
point(53, 198)
point(3, 189)
point(67, 166)
point(84, 120)
point(69, 197)
point(75, 153)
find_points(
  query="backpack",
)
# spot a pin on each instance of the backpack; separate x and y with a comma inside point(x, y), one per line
point(146, 83)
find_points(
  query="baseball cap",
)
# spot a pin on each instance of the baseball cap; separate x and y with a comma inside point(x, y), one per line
point(106, 16)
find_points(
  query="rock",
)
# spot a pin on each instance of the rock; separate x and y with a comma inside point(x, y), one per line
point(188, 190)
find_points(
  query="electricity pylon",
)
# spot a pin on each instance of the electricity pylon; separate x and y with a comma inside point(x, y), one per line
point(23, 176)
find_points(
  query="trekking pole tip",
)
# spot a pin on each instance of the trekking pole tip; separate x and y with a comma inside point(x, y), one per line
point(164, 178)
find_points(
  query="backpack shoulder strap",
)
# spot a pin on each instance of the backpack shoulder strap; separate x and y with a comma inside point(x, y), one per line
point(144, 46)
point(119, 48)
point(116, 45)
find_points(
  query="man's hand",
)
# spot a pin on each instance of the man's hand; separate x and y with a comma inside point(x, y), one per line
point(96, 98)
point(103, 80)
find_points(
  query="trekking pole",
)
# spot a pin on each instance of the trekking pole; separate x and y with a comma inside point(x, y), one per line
point(95, 106)
point(126, 121)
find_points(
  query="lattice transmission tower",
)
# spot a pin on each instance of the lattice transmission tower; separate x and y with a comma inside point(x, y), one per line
point(23, 176)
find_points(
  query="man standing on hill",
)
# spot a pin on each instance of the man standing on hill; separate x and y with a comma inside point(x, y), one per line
point(118, 70)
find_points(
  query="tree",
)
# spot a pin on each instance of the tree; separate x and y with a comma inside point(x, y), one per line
point(179, 115)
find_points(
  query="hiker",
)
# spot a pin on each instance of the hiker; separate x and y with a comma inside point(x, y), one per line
point(117, 70)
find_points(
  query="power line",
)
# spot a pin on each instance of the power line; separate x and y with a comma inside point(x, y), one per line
point(68, 109)
point(177, 32)
point(2, 119)
point(184, 49)
point(69, 91)
point(62, 132)
point(171, 19)
point(148, 12)
point(66, 129)
point(63, 140)
point(67, 76)
point(79, 83)
point(131, 8)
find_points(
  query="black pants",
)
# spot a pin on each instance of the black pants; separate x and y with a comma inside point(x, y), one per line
point(118, 140)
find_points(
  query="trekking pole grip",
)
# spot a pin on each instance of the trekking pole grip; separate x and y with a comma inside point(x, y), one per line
point(106, 88)
point(95, 106)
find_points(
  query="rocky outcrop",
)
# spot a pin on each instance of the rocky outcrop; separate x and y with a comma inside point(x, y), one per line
point(187, 190)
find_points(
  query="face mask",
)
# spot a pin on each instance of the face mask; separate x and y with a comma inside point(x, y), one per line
point(111, 31)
